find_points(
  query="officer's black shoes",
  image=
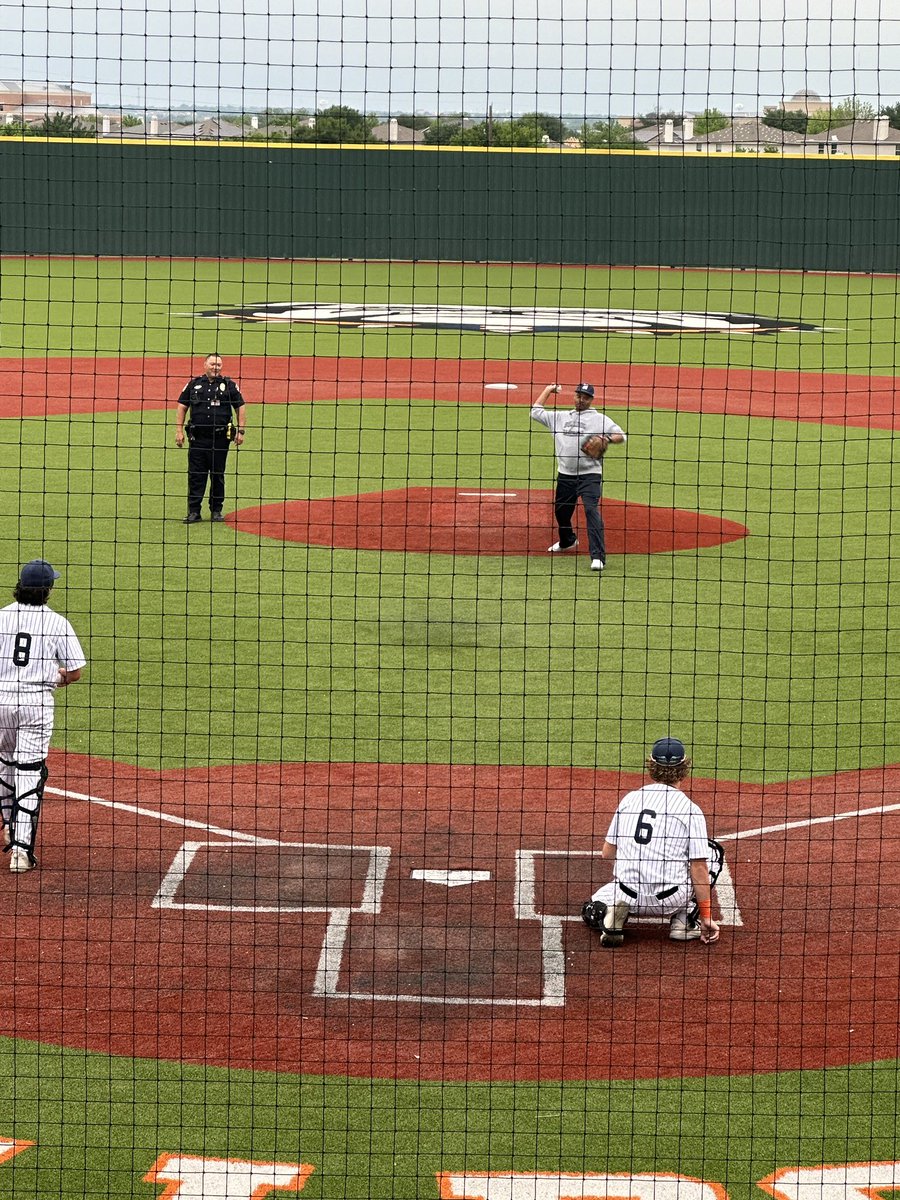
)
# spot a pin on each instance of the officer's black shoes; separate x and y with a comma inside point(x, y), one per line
point(216, 516)
point(192, 518)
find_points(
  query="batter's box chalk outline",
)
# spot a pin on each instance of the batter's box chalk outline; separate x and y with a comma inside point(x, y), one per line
point(372, 891)
point(526, 890)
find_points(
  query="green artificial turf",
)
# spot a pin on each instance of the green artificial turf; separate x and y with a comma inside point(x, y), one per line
point(137, 307)
point(774, 655)
point(101, 1122)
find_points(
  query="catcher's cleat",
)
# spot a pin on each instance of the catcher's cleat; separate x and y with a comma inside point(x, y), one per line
point(559, 548)
point(684, 927)
point(614, 926)
point(597, 564)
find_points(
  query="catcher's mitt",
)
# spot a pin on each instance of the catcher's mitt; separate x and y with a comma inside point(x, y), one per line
point(595, 445)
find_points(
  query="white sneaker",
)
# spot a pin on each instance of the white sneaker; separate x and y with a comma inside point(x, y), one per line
point(556, 548)
point(597, 564)
point(19, 860)
point(684, 928)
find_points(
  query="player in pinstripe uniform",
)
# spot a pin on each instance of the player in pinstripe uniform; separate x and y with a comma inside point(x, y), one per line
point(664, 863)
point(39, 652)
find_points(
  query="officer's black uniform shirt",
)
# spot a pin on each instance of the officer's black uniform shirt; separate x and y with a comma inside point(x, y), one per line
point(211, 402)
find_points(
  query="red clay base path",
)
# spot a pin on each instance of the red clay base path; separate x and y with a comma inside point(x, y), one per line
point(38, 387)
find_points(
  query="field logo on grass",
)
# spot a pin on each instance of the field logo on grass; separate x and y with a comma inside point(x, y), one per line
point(483, 319)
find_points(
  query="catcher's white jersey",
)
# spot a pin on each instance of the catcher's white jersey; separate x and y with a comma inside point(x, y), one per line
point(35, 642)
point(656, 831)
point(569, 431)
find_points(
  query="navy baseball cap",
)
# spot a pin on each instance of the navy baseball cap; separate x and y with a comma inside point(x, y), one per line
point(669, 752)
point(38, 574)
point(586, 389)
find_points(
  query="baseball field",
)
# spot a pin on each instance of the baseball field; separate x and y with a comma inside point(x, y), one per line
point(322, 813)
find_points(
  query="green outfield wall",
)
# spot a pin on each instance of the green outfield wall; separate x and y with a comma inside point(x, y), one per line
point(231, 200)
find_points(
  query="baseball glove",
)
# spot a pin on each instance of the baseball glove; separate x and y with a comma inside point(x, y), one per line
point(595, 445)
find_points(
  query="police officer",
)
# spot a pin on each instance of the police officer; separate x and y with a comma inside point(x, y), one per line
point(217, 419)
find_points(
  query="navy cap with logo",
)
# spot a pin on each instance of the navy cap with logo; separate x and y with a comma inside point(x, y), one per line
point(38, 574)
point(668, 751)
point(586, 389)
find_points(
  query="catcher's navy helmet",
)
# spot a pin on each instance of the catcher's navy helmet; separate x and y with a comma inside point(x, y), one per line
point(586, 389)
point(38, 574)
point(668, 751)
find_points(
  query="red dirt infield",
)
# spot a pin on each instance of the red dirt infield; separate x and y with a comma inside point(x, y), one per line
point(282, 965)
point(39, 387)
point(474, 521)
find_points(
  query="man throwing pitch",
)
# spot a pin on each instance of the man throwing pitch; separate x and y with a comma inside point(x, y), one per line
point(582, 436)
point(39, 652)
point(664, 864)
point(217, 419)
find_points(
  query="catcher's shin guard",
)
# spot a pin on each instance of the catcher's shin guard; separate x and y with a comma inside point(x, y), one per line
point(716, 861)
point(27, 806)
point(592, 913)
point(608, 920)
point(7, 797)
point(614, 925)
point(715, 864)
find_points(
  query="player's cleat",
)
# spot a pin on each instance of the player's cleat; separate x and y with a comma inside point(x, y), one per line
point(609, 921)
point(597, 564)
point(192, 518)
point(19, 860)
point(614, 926)
point(684, 927)
point(216, 516)
point(559, 548)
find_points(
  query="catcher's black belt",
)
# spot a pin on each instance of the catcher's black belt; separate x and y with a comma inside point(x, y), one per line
point(663, 895)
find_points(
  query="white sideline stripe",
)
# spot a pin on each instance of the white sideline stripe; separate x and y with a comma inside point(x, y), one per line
point(724, 892)
point(805, 824)
point(262, 841)
point(184, 822)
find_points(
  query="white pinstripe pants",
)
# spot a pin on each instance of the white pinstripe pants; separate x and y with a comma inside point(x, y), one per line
point(25, 731)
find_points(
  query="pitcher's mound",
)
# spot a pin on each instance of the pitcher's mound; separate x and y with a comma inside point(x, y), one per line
point(474, 521)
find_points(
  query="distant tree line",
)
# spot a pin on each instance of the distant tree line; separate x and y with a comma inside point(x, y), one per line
point(845, 113)
point(341, 124)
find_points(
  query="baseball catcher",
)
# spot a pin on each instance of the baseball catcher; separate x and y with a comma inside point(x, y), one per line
point(664, 863)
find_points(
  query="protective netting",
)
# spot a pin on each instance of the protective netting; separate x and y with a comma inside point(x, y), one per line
point(465, 442)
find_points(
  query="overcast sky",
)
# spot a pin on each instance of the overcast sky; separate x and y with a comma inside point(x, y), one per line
point(451, 55)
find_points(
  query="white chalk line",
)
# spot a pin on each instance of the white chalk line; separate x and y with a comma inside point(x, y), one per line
point(249, 838)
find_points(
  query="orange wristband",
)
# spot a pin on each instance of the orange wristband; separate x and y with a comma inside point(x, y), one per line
point(704, 907)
